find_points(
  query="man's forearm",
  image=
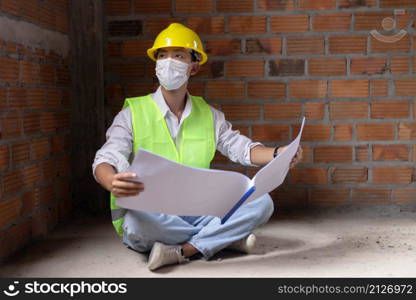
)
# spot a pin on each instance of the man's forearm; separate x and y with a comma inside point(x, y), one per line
point(261, 155)
point(104, 173)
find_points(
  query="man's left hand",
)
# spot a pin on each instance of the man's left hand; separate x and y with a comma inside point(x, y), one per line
point(296, 159)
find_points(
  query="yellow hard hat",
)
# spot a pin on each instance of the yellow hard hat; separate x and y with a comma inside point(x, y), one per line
point(178, 35)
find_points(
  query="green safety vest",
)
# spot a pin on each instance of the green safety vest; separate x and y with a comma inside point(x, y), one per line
point(150, 132)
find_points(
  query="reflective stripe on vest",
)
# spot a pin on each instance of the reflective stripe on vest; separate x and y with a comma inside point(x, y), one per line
point(150, 132)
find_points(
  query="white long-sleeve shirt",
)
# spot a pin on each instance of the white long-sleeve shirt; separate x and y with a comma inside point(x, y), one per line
point(118, 148)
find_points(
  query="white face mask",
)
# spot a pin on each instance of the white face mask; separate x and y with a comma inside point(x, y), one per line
point(172, 73)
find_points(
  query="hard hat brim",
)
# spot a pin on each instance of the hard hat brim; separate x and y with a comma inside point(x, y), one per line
point(151, 52)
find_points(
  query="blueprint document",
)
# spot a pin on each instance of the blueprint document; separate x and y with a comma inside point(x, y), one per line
point(176, 189)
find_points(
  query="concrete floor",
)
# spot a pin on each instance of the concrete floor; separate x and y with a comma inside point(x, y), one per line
point(354, 242)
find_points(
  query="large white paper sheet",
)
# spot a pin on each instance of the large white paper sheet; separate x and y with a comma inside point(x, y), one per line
point(274, 173)
point(176, 189)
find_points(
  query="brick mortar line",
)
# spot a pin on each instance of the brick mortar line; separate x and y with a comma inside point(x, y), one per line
point(314, 145)
point(328, 88)
point(331, 185)
point(230, 35)
point(33, 60)
point(351, 185)
point(291, 132)
point(352, 22)
point(267, 60)
point(307, 100)
point(391, 87)
point(287, 82)
point(320, 122)
point(242, 56)
point(332, 133)
point(21, 111)
point(348, 66)
point(310, 23)
point(34, 85)
point(306, 68)
point(328, 173)
point(396, 124)
point(262, 113)
point(45, 99)
point(33, 51)
point(326, 46)
point(283, 100)
point(266, 67)
point(283, 79)
point(329, 77)
point(11, 140)
point(215, 5)
point(369, 164)
point(268, 24)
point(226, 25)
point(370, 152)
point(397, 121)
point(172, 4)
point(269, 80)
point(258, 13)
point(326, 111)
point(250, 132)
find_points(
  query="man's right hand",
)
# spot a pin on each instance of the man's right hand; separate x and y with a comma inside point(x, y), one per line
point(122, 188)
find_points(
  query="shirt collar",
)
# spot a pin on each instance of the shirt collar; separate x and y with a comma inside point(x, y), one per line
point(164, 108)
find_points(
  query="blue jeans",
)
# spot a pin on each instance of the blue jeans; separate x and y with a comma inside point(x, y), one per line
point(142, 229)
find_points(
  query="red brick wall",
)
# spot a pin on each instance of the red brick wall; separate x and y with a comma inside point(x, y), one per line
point(34, 128)
point(272, 62)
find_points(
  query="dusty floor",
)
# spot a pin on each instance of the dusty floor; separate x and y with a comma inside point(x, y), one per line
point(357, 242)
